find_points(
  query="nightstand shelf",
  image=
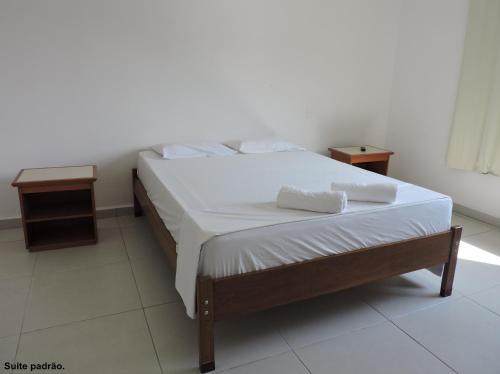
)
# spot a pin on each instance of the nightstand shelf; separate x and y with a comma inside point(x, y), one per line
point(57, 206)
point(45, 206)
point(61, 233)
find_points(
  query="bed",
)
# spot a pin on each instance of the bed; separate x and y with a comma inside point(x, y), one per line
point(235, 252)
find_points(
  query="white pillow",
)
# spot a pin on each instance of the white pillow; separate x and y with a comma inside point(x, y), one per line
point(194, 150)
point(264, 145)
point(213, 149)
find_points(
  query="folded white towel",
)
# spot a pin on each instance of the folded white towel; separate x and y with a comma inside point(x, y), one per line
point(375, 192)
point(323, 202)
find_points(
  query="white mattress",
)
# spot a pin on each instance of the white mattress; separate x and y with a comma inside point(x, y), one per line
point(243, 188)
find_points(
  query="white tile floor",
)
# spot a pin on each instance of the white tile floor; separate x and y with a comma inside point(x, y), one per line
point(112, 308)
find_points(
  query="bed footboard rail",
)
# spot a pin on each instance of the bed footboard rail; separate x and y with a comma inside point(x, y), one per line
point(228, 297)
point(260, 290)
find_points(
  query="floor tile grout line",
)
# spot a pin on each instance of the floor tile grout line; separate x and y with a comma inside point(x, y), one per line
point(292, 349)
point(478, 233)
point(301, 361)
point(251, 362)
point(259, 359)
point(130, 259)
point(26, 302)
point(341, 334)
point(278, 330)
point(120, 229)
point(385, 320)
point(82, 320)
point(473, 219)
point(236, 366)
point(142, 303)
point(415, 340)
point(152, 341)
point(362, 299)
point(489, 288)
point(161, 304)
point(133, 273)
point(131, 268)
point(90, 266)
point(483, 306)
point(324, 340)
point(95, 266)
point(420, 309)
point(268, 356)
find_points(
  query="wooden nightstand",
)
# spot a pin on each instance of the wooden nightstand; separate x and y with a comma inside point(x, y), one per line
point(57, 206)
point(373, 158)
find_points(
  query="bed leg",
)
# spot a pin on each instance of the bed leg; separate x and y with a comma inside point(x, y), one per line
point(205, 293)
point(137, 206)
point(449, 267)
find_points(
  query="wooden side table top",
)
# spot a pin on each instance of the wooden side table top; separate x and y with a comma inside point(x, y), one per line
point(55, 175)
point(356, 150)
point(353, 155)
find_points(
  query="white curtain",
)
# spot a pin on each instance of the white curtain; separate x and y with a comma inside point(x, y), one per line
point(475, 137)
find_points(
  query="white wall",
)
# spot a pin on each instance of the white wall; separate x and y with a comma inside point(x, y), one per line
point(425, 84)
point(94, 81)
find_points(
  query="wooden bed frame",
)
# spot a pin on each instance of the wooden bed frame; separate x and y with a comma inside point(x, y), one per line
point(227, 297)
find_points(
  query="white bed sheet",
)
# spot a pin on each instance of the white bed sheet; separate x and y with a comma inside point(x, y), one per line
point(227, 205)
